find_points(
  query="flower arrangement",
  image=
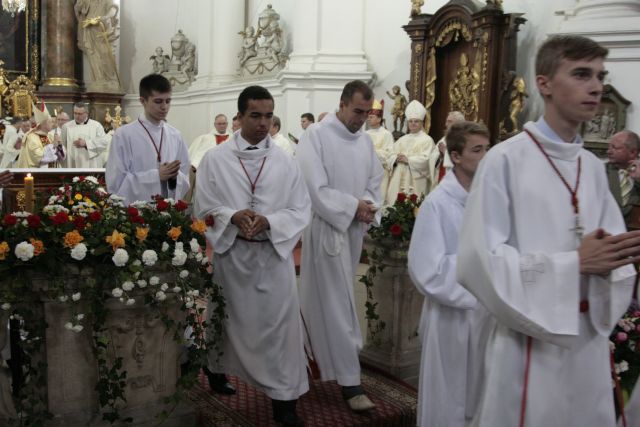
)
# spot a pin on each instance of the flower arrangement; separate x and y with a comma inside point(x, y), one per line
point(149, 253)
point(394, 231)
point(625, 345)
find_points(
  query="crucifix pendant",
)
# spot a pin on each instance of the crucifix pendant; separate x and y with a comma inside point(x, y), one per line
point(253, 203)
point(578, 229)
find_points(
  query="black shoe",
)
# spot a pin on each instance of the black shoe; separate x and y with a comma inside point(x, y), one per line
point(284, 412)
point(291, 419)
point(219, 383)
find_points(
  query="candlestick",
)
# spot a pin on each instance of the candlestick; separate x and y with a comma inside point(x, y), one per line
point(28, 193)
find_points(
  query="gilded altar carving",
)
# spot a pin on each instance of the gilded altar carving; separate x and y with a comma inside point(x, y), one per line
point(114, 122)
point(418, 48)
point(4, 86)
point(416, 6)
point(463, 91)
point(430, 87)
point(20, 97)
point(482, 57)
point(452, 31)
point(517, 95)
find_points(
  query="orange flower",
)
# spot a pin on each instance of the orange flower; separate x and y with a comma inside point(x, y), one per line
point(4, 250)
point(116, 240)
point(38, 246)
point(72, 238)
point(141, 233)
point(199, 226)
point(175, 232)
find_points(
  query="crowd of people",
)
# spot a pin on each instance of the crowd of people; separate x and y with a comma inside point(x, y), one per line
point(521, 251)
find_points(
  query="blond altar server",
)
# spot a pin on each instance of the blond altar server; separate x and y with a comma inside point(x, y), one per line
point(343, 176)
point(450, 314)
point(279, 139)
point(382, 142)
point(257, 197)
point(84, 140)
point(555, 291)
point(414, 157)
point(37, 150)
point(203, 143)
point(148, 156)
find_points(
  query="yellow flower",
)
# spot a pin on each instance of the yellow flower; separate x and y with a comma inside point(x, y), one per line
point(78, 196)
point(175, 232)
point(38, 246)
point(116, 240)
point(199, 226)
point(72, 238)
point(71, 202)
point(141, 233)
point(4, 250)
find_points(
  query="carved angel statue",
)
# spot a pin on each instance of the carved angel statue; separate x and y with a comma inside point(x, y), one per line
point(160, 61)
point(249, 41)
point(190, 62)
point(273, 40)
point(518, 94)
point(416, 6)
point(399, 105)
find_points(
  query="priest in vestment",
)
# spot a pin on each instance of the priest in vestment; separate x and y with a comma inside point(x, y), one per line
point(37, 150)
point(279, 139)
point(413, 159)
point(258, 199)
point(84, 140)
point(55, 134)
point(382, 142)
point(203, 143)
point(556, 293)
point(12, 134)
point(452, 322)
point(343, 177)
point(148, 156)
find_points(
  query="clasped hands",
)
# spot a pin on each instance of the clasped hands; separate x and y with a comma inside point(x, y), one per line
point(168, 170)
point(250, 223)
point(401, 158)
point(366, 211)
point(80, 143)
point(600, 252)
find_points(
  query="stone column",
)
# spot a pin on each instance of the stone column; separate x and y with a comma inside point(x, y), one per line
point(227, 21)
point(60, 60)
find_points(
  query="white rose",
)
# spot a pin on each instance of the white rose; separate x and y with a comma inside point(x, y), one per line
point(91, 179)
point(63, 298)
point(6, 306)
point(68, 326)
point(204, 260)
point(137, 263)
point(184, 274)
point(24, 251)
point(76, 296)
point(179, 258)
point(127, 286)
point(177, 289)
point(142, 283)
point(165, 246)
point(77, 328)
point(120, 257)
point(154, 280)
point(131, 301)
point(79, 317)
point(198, 257)
point(75, 179)
point(164, 287)
point(79, 252)
point(195, 247)
point(161, 296)
point(149, 257)
point(189, 304)
point(179, 246)
point(195, 293)
point(116, 292)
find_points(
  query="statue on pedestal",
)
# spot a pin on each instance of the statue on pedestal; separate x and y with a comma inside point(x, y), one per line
point(97, 30)
point(160, 61)
point(182, 67)
point(263, 51)
point(397, 111)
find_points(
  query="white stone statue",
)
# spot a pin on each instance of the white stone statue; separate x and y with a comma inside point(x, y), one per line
point(249, 41)
point(160, 61)
point(263, 51)
point(182, 67)
point(190, 62)
point(97, 30)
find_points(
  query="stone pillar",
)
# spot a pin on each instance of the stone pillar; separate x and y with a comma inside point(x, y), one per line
point(227, 21)
point(60, 60)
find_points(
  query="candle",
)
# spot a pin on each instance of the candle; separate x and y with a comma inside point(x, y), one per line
point(28, 193)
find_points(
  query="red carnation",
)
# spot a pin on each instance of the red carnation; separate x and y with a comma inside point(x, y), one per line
point(401, 197)
point(162, 205)
point(413, 198)
point(396, 229)
point(33, 221)
point(181, 205)
point(80, 223)
point(10, 220)
point(81, 178)
point(137, 219)
point(131, 211)
point(209, 220)
point(60, 218)
point(95, 216)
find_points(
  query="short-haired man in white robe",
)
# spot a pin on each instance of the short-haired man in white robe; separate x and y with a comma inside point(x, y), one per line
point(12, 142)
point(382, 142)
point(84, 139)
point(148, 156)
point(279, 139)
point(205, 142)
point(260, 205)
point(413, 158)
point(450, 314)
point(543, 247)
point(343, 176)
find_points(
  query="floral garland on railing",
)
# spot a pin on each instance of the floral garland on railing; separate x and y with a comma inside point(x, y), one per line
point(625, 347)
point(395, 227)
point(81, 226)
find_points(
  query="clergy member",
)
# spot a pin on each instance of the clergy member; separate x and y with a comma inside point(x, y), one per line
point(203, 143)
point(257, 197)
point(148, 156)
point(84, 139)
point(11, 143)
point(414, 157)
point(622, 153)
point(343, 177)
point(450, 314)
point(280, 140)
point(382, 142)
point(37, 150)
point(543, 247)
point(55, 134)
point(444, 163)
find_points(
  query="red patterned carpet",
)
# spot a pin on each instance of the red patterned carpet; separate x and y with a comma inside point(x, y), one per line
point(321, 406)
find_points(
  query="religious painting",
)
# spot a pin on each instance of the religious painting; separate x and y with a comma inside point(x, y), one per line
point(14, 41)
point(610, 119)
